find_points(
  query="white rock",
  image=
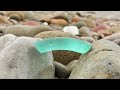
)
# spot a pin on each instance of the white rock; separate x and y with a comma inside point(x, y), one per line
point(45, 23)
point(71, 29)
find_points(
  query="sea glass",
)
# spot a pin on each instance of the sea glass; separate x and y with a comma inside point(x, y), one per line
point(62, 43)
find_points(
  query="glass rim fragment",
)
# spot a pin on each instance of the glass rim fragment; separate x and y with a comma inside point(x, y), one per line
point(62, 43)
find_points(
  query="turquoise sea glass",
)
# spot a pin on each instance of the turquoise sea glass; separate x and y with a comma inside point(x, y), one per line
point(62, 43)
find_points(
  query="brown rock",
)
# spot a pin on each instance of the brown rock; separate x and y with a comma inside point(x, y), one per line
point(61, 17)
point(4, 19)
point(58, 22)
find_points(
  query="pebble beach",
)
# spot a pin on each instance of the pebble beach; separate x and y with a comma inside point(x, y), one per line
point(84, 45)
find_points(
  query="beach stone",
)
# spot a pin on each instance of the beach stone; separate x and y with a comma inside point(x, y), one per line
point(71, 65)
point(65, 17)
point(71, 29)
point(102, 62)
point(19, 59)
point(3, 13)
point(100, 27)
point(75, 19)
point(29, 15)
point(104, 32)
point(114, 30)
point(85, 31)
point(4, 19)
point(79, 24)
point(88, 39)
point(113, 37)
point(25, 30)
point(6, 40)
point(117, 41)
point(89, 22)
point(58, 22)
point(61, 56)
point(61, 71)
point(17, 15)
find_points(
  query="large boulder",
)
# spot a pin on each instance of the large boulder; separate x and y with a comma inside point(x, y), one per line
point(102, 62)
point(19, 59)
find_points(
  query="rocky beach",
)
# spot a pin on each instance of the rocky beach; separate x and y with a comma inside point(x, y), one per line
point(89, 46)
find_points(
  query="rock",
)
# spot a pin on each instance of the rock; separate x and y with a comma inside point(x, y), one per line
point(57, 27)
point(85, 31)
point(31, 23)
point(29, 15)
point(60, 70)
point(17, 15)
point(61, 17)
point(93, 17)
point(48, 34)
point(20, 60)
point(25, 30)
point(104, 32)
point(3, 13)
point(56, 78)
point(79, 24)
point(6, 40)
point(90, 23)
point(71, 29)
point(75, 19)
point(102, 62)
point(45, 19)
point(113, 37)
point(13, 21)
point(71, 65)
point(61, 56)
point(114, 30)
point(4, 19)
point(58, 22)
point(88, 39)
point(117, 41)
point(100, 27)
point(45, 23)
